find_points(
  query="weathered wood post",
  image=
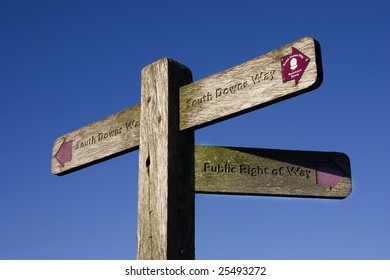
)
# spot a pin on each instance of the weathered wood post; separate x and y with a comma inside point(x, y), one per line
point(171, 169)
point(166, 167)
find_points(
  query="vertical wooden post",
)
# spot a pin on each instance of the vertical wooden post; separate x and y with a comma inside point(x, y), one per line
point(166, 167)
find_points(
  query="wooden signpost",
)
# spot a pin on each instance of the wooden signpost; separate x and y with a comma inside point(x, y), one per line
point(172, 168)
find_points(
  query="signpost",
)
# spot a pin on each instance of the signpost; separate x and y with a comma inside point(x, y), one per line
point(172, 168)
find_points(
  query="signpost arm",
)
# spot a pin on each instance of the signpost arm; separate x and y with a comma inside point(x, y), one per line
point(166, 167)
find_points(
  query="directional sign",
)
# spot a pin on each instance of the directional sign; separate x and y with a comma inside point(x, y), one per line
point(253, 84)
point(114, 135)
point(256, 83)
point(229, 170)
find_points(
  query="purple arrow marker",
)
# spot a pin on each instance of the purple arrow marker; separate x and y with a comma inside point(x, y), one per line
point(329, 174)
point(294, 65)
point(64, 153)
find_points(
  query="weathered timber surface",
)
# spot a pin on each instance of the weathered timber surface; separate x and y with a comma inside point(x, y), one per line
point(247, 86)
point(237, 90)
point(251, 171)
point(110, 136)
point(166, 167)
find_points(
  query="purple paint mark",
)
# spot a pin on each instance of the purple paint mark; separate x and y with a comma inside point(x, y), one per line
point(64, 153)
point(294, 65)
point(329, 174)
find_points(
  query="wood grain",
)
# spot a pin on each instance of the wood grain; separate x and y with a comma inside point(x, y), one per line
point(166, 167)
point(251, 171)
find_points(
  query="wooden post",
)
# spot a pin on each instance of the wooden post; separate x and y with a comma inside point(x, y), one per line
point(166, 167)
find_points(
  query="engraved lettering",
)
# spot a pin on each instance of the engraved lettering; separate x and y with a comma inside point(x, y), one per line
point(253, 171)
point(81, 144)
point(263, 76)
point(198, 101)
point(231, 89)
point(277, 171)
point(111, 133)
point(218, 92)
point(132, 124)
point(219, 168)
point(298, 171)
point(257, 170)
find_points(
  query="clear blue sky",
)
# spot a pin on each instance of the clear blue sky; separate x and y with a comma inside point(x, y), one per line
point(65, 64)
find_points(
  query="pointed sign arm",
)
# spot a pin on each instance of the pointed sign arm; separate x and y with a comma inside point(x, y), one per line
point(271, 172)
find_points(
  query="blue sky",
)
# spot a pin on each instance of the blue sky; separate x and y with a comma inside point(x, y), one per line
point(65, 64)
